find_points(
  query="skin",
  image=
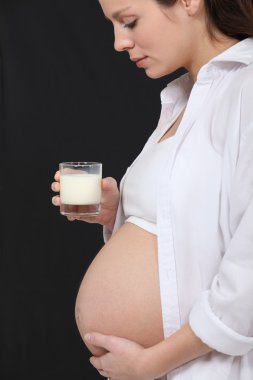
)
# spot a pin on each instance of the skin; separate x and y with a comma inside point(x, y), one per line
point(169, 38)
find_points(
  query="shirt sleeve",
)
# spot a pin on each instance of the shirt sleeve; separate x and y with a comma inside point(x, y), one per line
point(222, 317)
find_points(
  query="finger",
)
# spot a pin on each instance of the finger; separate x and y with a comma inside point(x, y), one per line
point(89, 219)
point(104, 374)
point(99, 364)
point(96, 362)
point(109, 184)
point(57, 176)
point(110, 191)
point(55, 186)
point(100, 340)
point(56, 200)
point(71, 218)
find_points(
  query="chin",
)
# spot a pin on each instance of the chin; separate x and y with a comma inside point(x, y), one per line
point(152, 74)
point(157, 74)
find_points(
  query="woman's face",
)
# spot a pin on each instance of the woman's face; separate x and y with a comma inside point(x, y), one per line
point(159, 38)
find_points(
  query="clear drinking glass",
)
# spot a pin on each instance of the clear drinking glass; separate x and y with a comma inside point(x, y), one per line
point(80, 188)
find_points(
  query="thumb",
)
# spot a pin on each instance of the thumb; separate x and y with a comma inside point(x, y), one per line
point(109, 184)
point(99, 340)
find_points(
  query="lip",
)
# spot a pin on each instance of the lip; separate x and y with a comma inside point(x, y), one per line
point(139, 61)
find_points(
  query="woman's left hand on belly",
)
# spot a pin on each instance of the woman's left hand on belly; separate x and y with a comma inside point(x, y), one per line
point(127, 360)
point(123, 361)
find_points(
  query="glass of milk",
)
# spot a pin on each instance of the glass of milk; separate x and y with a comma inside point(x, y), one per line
point(80, 188)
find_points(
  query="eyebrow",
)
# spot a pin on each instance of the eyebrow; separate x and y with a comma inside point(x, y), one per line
point(116, 14)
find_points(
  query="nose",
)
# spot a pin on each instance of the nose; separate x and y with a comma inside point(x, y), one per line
point(122, 41)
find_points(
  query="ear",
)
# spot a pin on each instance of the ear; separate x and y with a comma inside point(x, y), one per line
point(192, 7)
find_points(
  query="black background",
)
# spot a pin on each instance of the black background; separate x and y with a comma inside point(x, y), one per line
point(65, 95)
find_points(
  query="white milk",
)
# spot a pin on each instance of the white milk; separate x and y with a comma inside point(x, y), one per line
point(80, 189)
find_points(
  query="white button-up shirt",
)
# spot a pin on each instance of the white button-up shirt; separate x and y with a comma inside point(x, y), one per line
point(205, 214)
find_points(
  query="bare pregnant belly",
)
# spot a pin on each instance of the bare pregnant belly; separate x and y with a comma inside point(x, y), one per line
point(120, 294)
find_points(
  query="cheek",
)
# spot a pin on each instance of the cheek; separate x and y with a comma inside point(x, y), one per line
point(147, 38)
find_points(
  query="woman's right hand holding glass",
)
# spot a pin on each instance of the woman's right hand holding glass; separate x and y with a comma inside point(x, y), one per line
point(109, 202)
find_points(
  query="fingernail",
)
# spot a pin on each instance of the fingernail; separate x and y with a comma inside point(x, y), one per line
point(87, 337)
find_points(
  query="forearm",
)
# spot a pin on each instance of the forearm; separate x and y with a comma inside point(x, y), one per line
point(176, 350)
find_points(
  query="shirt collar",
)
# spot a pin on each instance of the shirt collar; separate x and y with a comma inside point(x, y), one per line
point(242, 52)
point(239, 54)
point(176, 90)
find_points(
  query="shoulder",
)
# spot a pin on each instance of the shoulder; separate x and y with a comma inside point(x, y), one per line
point(238, 97)
point(241, 80)
point(246, 99)
point(232, 110)
point(244, 79)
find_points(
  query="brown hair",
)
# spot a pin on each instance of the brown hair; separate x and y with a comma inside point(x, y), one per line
point(234, 18)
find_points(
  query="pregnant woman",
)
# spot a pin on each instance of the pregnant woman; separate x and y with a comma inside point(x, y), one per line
point(169, 295)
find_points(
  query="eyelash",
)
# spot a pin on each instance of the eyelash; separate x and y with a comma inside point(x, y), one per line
point(130, 25)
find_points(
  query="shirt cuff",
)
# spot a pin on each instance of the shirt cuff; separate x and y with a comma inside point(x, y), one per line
point(213, 332)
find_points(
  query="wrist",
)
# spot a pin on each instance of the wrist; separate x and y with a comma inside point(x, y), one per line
point(109, 225)
point(150, 364)
point(173, 352)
